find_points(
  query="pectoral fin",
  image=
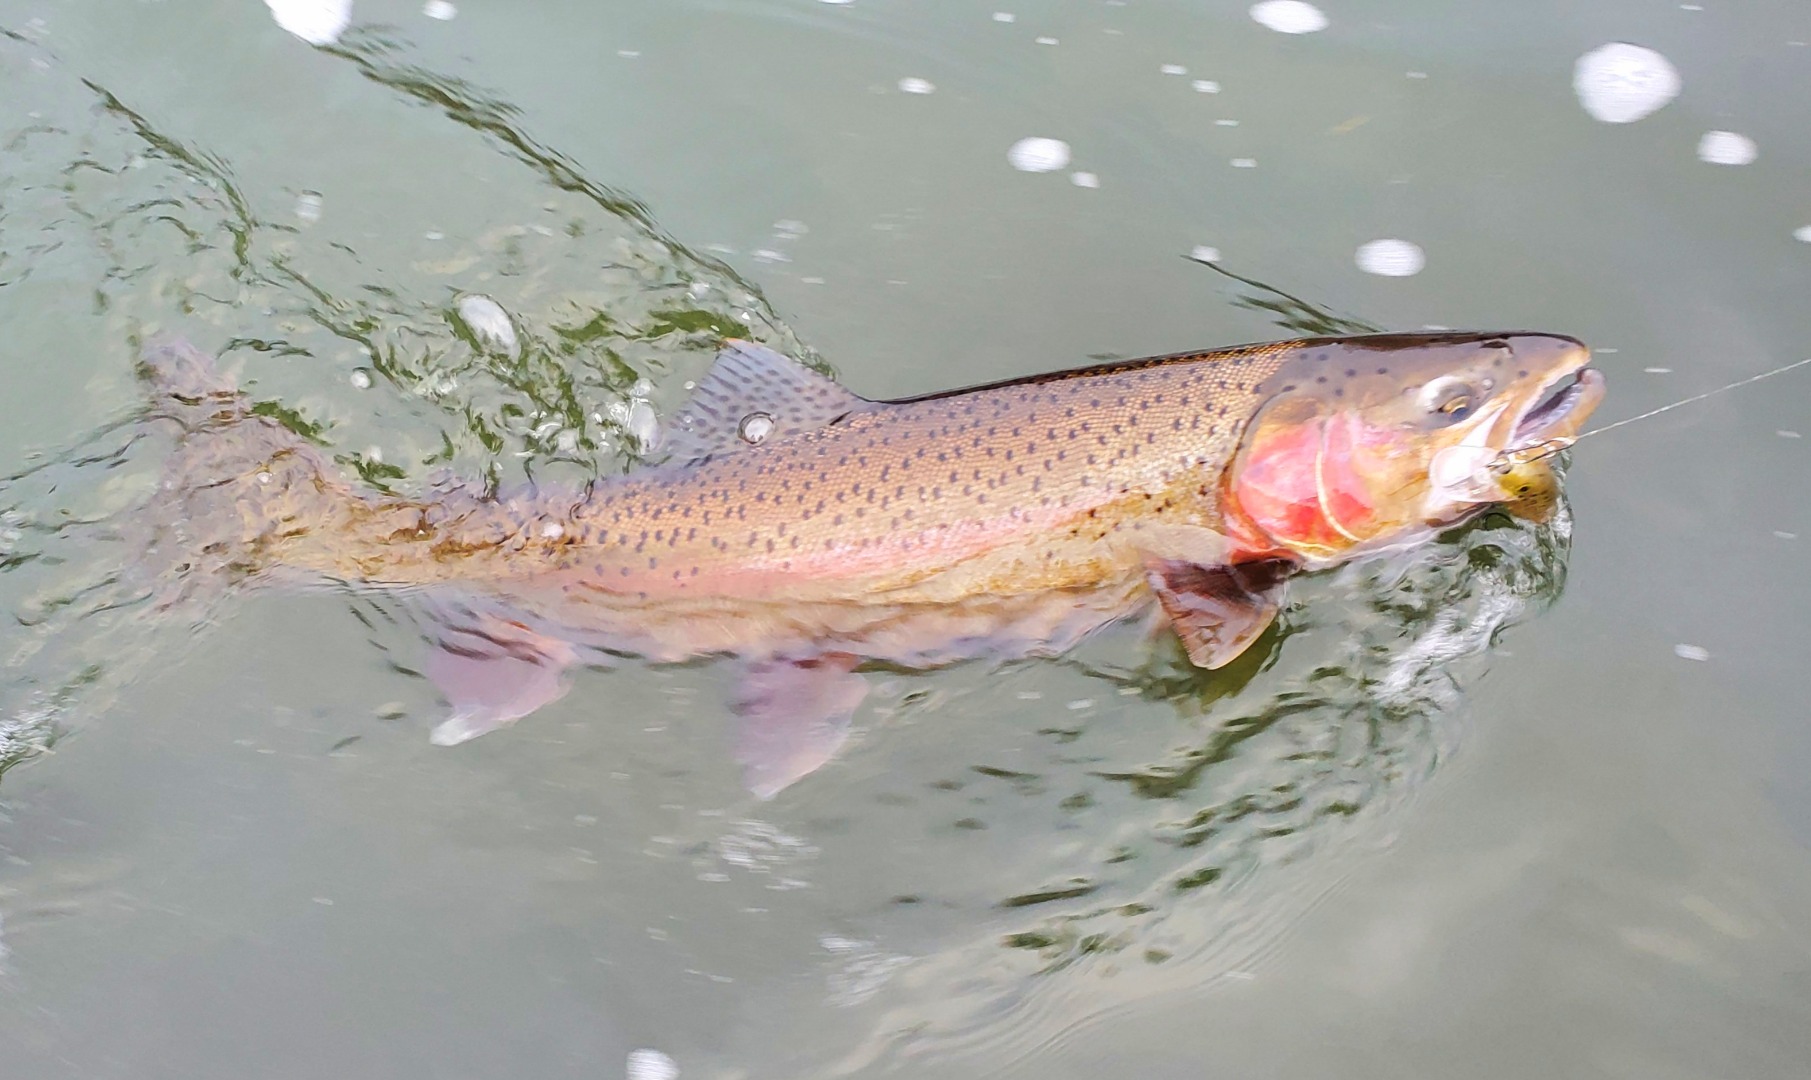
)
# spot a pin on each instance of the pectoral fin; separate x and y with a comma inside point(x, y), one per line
point(1218, 611)
point(795, 713)
point(494, 672)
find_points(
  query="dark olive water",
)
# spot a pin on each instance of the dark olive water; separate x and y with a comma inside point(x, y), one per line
point(1531, 802)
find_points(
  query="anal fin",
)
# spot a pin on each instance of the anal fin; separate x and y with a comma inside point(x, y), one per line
point(1218, 611)
point(794, 716)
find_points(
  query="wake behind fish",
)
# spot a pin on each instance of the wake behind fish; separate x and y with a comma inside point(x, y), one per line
point(404, 365)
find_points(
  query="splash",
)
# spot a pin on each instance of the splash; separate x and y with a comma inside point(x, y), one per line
point(490, 345)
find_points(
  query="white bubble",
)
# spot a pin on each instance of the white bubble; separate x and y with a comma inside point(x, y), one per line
point(1289, 16)
point(1045, 40)
point(629, 54)
point(1173, 69)
point(1226, 123)
point(647, 1064)
point(308, 206)
point(755, 428)
point(1203, 253)
point(1784, 434)
point(318, 22)
point(489, 323)
point(1205, 86)
point(1391, 258)
point(837, 2)
point(1038, 155)
point(914, 85)
point(643, 425)
point(1691, 652)
point(1620, 83)
point(1244, 163)
point(361, 379)
point(1727, 148)
point(439, 9)
point(553, 530)
point(1084, 179)
point(1802, 233)
point(1004, 16)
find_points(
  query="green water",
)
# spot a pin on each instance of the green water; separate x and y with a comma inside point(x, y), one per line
point(1475, 813)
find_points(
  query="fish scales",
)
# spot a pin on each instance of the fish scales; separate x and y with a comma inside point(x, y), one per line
point(1034, 474)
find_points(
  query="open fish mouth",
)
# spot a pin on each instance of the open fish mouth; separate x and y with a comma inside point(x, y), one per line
point(1561, 408)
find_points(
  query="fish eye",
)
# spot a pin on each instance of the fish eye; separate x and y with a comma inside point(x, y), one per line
point(1448, 400)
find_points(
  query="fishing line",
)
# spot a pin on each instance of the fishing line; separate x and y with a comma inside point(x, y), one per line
point(1509, 459)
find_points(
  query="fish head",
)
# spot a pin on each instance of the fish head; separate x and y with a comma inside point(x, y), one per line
point(1375, 442)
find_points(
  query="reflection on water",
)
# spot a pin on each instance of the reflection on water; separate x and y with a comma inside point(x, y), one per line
point(513, 341)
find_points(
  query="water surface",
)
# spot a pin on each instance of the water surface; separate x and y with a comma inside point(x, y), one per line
point(1474, 812)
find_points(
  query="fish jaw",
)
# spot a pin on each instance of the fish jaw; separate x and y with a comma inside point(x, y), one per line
point(1510, 460)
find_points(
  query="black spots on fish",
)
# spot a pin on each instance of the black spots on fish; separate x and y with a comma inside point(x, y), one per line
point(1523, 374)
point(1320, 378)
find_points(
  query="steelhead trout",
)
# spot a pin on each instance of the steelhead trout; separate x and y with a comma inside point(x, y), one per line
point(805, 531)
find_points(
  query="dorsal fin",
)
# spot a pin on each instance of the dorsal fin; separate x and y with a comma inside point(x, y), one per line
point(750, 396)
